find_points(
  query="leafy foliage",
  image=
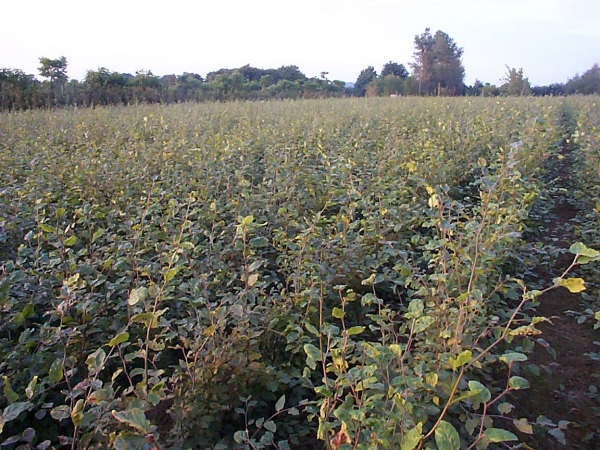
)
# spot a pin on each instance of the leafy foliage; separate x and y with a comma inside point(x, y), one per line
point(269, 275)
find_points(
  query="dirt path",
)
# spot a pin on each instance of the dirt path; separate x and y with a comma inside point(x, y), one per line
point(560, 392)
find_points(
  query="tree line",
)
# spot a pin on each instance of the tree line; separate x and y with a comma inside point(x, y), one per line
point(19, 90)
point(436, 70)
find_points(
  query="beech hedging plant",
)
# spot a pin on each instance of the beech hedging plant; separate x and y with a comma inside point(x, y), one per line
point(327, 273)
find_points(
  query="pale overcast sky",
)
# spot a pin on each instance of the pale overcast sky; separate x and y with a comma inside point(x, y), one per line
point(551, 39)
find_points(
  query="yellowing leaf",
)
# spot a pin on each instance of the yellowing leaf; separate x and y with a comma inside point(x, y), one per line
point(338, 313)
point(433, 201)
point(573, 284)
point(137, 295)
point(523, 425)
point(431, 379)
point(71, 241)
point(412, 437)
point(252, 279)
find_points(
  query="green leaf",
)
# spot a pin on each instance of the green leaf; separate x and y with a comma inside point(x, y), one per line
point(463, 358)
point(12, 411)
point(412, 437)
point(481, 392)
point(512, 357)
point(415, 309)
point(311, 328)
point(134, 417)
point(322, 390)
point(518, 383)
point(55, 374)
point(137, 295)
point(523, 425)
point(46, 228)
point(239, 436)
point(259, 242)
point(368, 299)
point(581, 249)
point(97, 234)
point(147, 318)
point(270, 425)
point(71, 241)
point(10, 395)
point(77, 412)
point(505, 408)
point(355, 330)
point(499, 435)
point(446, 436)
point(531, 295)
point(280, 403)
point(60, 212)
point(95, 361)
point(119, 339)
point(247, 220)
point(30, 389)
point(558, 434)
point(4, 285)
point(60, 412)
point(313, 352)
point(128, 441)
point(187, 245)
point(170, 274)
point(572, 284)
point(338, 313)
point(422, 323)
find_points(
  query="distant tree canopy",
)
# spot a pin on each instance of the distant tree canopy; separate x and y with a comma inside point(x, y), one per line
point(103, 87)
point(365, 77)
point(436, 70)
point(392, 68)
point(588, 83)
point(437, 65)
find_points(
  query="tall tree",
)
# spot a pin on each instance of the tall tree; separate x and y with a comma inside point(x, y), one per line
point(55, 70)
point(364, 78)
point(438, 66)
point(392, 68)
point(515, 83)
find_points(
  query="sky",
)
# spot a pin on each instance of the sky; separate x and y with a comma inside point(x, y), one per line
point(551, 40)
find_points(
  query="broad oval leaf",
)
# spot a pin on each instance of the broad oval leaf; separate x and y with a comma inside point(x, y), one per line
point(280, 403)
point(574, 285)
point(446, 436)
point(137, 295)
point(412, 437)
point(499, 435)
point(119, 339)
point(134, 417)
point(518, 383)
point(481, 392)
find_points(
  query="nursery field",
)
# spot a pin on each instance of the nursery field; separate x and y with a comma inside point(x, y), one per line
point(341, 273)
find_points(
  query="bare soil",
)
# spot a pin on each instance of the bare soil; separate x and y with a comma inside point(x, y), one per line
point(559, 392)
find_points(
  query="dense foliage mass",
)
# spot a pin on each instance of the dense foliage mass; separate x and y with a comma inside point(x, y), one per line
point(341, 273)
